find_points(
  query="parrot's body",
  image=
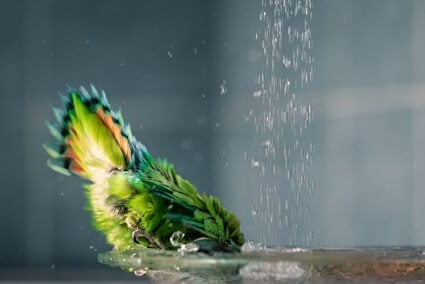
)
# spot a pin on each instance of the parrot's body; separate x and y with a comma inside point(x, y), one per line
point(136, 200)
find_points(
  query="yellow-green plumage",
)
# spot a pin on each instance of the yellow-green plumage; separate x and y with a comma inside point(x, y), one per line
point(136, 200)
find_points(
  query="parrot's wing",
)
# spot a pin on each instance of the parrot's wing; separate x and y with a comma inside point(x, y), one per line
point(91, 139)
point(204, 214)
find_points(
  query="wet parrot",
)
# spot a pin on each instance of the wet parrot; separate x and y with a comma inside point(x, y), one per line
point(136, 200)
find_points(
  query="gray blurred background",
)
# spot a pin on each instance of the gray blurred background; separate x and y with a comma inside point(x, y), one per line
point(162, 63)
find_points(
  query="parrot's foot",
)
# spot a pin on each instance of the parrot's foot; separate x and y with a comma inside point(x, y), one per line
point(137, 233)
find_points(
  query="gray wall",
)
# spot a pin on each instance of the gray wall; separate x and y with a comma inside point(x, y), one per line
point(163, 63)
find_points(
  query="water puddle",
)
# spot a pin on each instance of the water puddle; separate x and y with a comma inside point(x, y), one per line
point(291, 265)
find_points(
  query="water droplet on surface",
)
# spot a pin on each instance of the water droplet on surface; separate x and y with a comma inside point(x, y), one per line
point(52, 266)
point(188, 248)
point(170, 54)
point(250, 246)
point(217, 124)
point(195, 51)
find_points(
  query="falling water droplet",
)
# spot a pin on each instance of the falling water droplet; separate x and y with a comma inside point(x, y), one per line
point(257, 94)
point(255, 163)
point(223, 88)
point(266, 143)
point(286, 62)
point(170, 51)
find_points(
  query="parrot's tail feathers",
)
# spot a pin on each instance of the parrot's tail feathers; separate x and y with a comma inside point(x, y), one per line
point(91, 139)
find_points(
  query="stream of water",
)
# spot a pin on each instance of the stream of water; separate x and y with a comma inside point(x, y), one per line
point(282, 153)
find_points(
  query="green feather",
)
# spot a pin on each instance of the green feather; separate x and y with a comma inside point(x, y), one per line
point(52, 150)
point(54, 132)
point(57, 166)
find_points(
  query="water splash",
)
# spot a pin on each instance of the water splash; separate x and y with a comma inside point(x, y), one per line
point(279, 271)
point(177, 240)
point(275, 265)
point(281, 152)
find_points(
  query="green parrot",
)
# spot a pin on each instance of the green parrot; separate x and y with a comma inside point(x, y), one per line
point(136, 200)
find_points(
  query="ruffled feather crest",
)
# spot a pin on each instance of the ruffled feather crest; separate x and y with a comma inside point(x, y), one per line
point(91, 139)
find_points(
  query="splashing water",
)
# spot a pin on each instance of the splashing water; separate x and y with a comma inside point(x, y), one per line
point(177, 240)
point(281, 153)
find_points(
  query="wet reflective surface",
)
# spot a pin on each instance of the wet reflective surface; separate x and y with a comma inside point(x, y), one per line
point(275, 265)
